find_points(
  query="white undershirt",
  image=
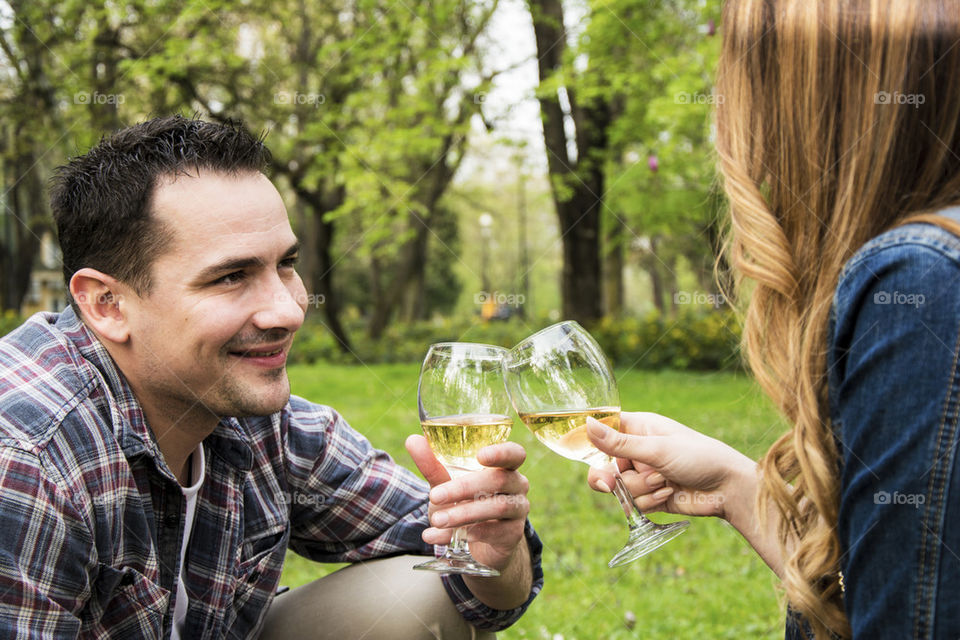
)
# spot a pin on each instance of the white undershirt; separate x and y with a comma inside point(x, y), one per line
point(190, 494)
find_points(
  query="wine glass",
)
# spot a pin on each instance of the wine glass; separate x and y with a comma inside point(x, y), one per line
point(557, 378)
point(463, 408)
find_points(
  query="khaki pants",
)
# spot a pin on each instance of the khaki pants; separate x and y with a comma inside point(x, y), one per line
point(379, 599)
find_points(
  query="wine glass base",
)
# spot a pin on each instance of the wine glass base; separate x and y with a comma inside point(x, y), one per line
point(462, 565)
point(644, 540)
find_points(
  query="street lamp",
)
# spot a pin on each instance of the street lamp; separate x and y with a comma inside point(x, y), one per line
point(486, 221)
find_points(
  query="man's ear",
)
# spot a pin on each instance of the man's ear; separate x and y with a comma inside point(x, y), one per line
point(101, 300)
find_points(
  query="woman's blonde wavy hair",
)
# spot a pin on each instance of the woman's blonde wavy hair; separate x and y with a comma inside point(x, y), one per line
point(836, 120)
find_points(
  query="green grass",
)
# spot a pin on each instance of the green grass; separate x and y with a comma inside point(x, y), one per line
point(705, 584)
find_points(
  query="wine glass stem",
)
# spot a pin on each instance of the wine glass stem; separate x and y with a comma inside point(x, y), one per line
point(635, 518)
point(458, 544)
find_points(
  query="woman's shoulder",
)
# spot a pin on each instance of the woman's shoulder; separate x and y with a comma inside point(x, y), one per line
point(908, 241)
point(919, 255)
point(904, 280)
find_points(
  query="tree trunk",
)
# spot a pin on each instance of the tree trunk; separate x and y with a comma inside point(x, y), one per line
point(321, 202)
point(323, 281)
point(616, 235)
point(526, 303)
point(413, 304)
point(413, 253)
point(307, 265)
point(25, 146)
point(33, 223)
point(413, 307)
point(23, 224)
point(577, 183)
point(103, 102)
point(408, 287)
point(651, 264)
point(582, 276)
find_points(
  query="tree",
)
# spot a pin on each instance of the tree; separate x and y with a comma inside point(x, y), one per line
point(663, 196)
point(367, 106)
point(596, 95)
point(31, 134)
point(421, 99)
point(575, 163)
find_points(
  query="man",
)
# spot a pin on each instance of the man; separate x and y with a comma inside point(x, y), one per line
point(154, 468)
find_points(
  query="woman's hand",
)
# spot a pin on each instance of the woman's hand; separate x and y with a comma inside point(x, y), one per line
point(669, 467)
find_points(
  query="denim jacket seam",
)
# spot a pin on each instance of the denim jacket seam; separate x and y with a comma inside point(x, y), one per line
point(939, 472)
point(949, 248)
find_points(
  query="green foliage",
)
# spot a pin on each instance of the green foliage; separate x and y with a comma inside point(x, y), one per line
point(693, 340)
point(367, 106)
point(697, 341)
point(9, 321)
point(405, 342)
point(634, 78)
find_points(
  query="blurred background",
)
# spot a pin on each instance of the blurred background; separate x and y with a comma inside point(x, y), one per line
point(453, 167)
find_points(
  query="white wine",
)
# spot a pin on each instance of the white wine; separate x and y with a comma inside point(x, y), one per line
point(565, 432)
point(455, 440)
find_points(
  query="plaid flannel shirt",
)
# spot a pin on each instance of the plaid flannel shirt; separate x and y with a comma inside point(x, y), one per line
point(91, 518)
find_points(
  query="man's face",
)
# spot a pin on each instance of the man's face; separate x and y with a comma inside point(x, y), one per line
point(215, 329)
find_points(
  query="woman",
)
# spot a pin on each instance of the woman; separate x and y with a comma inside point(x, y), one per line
point(839, 143)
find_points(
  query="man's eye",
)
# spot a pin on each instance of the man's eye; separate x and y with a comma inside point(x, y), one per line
point(230, 278)
point(290, 263)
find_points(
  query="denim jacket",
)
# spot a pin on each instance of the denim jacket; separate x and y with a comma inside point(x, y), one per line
point(894, 393)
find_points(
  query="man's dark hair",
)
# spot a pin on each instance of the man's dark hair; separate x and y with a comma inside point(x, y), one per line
point(101, 200)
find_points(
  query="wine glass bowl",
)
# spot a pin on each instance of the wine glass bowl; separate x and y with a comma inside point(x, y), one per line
point(455, 440)
point(463, 407)
point(556, 379)
point(565, 432)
